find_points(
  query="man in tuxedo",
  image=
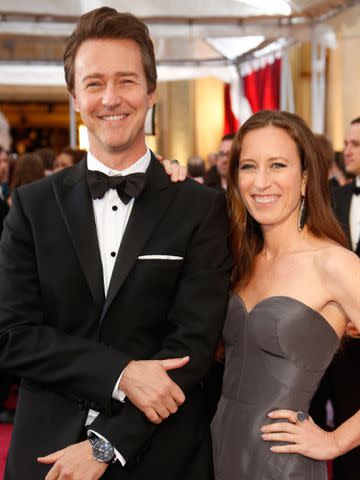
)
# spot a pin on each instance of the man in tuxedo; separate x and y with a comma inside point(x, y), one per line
point(113, 287)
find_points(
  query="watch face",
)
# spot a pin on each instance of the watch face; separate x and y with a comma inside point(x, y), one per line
point(103, 451)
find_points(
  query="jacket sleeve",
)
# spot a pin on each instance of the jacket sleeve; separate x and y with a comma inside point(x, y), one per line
point(29, 345)
point(196, 319)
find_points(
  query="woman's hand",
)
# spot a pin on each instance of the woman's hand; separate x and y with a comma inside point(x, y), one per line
point(176, 171)
point(351, 330)
point(303, 437)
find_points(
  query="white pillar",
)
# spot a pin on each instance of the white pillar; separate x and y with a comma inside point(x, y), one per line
point(286, 84)
point(318, 60)
point(72, 123)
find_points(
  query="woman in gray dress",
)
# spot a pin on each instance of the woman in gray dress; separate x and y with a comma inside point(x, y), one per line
point(294, 289)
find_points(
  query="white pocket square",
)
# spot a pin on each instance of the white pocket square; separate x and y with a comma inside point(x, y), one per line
point(160, 257)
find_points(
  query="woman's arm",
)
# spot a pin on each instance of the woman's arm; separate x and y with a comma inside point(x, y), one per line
point(307, 439)
point(341, 274)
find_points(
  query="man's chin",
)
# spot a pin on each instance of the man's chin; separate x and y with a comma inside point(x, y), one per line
point(352, 171)
point(117, 148)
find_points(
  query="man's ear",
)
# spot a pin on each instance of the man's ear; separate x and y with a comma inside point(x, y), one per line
point(76, 106)
point(151, 98)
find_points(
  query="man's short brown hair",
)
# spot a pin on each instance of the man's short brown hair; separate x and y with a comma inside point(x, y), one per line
point(108, 23)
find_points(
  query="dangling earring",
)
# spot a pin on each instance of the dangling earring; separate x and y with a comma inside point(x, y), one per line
point(302, 214)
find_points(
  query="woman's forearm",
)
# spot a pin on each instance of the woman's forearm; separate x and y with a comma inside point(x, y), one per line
point(347, 435)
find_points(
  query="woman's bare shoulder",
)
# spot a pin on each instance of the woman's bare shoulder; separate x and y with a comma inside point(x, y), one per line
point(334, 260)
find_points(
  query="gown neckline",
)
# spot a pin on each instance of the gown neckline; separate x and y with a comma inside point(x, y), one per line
point(285, 297)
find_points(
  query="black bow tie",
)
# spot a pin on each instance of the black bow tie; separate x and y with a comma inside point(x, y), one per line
point(127, 186)
point(356, 190)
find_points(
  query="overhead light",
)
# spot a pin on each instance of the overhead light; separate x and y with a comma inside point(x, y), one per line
point(270, 7)
point(233, 47)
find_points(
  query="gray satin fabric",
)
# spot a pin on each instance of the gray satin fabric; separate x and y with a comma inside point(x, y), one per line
point(276, 355)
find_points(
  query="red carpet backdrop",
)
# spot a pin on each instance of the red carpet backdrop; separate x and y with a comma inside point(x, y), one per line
point(5, 435)
point(261, 88)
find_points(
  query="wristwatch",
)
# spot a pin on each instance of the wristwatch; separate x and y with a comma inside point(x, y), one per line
point(102, 450)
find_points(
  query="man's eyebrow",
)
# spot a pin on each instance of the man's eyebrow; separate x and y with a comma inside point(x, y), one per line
point(91, 75)
point(118, 74)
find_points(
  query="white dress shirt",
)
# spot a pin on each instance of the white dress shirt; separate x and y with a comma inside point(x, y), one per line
point(354, 217)
point(111, 217)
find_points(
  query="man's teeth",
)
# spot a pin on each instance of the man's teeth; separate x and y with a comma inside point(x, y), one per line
point(114, 117)
point(267, 199)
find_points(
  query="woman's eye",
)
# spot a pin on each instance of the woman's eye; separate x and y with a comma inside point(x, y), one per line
point(278, 165)
point(246, 166)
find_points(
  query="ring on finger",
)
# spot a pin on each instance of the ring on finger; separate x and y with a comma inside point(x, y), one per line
point(301, 417)
point(174, 161)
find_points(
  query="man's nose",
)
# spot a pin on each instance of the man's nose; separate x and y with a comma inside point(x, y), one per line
point(111, 96)
point(347, 150)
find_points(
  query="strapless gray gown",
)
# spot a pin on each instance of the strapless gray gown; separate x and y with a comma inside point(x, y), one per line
point(276, 355)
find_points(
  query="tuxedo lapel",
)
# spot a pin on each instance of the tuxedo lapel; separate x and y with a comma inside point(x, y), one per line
point(146, 214)
point(75, 203)
point(342, 207)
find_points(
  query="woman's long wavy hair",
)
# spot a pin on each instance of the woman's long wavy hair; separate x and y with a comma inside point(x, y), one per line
point(246, 235)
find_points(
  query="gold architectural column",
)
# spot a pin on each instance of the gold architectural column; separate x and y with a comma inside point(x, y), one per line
point(209, 115)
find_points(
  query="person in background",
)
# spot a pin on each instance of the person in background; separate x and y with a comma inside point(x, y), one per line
point(211, 171)
point(211, 160)
point(68, 157)
point(336, 175)
point(4, 174)
point(29, 167)
point(218, 179)
point(47, 155)
point(196, 168)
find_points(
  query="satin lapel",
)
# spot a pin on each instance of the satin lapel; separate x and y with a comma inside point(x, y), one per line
point(146, 214)
point(75, 203)
point(345, 210)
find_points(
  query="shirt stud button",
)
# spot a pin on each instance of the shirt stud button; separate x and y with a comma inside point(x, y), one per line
point(113, 254)
point(114, 208)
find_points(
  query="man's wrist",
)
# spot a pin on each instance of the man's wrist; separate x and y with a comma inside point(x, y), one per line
point(122, 381)
point(102, 449)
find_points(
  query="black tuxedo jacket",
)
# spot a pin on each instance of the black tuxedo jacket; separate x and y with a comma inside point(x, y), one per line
point(69, 343)
point(341, 199)
point(3, 212)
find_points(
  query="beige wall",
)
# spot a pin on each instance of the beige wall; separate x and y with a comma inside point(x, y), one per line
point(334, 123)
point(175, 120)
point(209, 115)
point(343, 94)
point(342, 77)
point(190, 117)
point(300, 60)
